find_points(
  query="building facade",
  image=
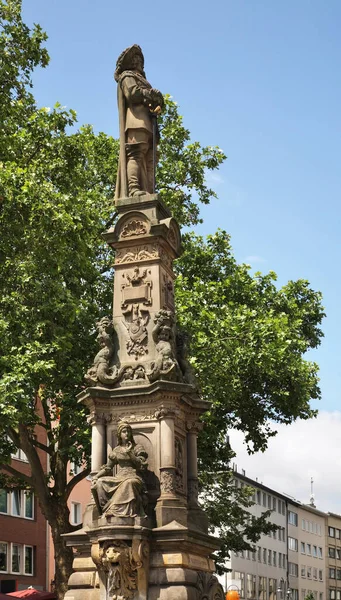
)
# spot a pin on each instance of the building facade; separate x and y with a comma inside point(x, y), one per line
point(23, 536)
point(306, 551)
point(333, 556)
point(262, 574)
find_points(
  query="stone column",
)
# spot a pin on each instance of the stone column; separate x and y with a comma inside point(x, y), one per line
point(98, 442)
point(192, 467)
point(167, 468)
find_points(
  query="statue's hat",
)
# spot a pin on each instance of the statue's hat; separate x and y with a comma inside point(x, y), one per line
point(124, 61)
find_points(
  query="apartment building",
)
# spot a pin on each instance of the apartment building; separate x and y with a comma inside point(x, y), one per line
point(23, 536)
point(333, 556)
point(262, 575)
point(306, 551)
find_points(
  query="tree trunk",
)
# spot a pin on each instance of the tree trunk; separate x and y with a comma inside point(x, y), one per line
point(63, 556)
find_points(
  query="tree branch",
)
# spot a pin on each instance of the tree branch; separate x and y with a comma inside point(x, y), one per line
point(26, 478)
point(75, 480)
point(47, 449)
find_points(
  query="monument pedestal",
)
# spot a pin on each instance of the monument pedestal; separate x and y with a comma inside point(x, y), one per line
point(142, 386)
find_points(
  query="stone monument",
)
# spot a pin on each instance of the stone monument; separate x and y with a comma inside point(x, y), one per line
point(144, 537)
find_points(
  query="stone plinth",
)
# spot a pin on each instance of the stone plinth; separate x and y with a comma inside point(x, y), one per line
point(141, 381)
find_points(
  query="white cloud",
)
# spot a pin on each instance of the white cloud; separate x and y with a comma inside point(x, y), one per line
point(300, 451)
point(253, 258)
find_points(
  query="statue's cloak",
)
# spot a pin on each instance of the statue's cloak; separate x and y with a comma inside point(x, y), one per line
point(121, 190)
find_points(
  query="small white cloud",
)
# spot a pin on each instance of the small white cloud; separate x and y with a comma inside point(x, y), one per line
point(300, 451)
point(253, 258)
point(214, 178)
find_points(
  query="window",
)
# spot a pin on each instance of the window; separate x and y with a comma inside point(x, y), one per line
point(274, 534)
point(303, 571)
point(16, 503)
point(264, 499)
point(332, 594)
point(302, 548)
point(320, 574)
point(273, 503)
point(321, 596)
point(284, 558)
point(331, 552)
point(338, 574)
point(272, 589)
point(240, 577)
point(332, 573)
point(292, 518)
point(309, 572)
point(303, 594)
point(19, 455)
point(75, 469)
point(280, 560)
point(274, 558)
point(338, 594)
point(338, 553)
point(247, 554)
point(262, 588)
point(283, 534)
point(28, 560)
point(331, 532)
point(294, 594)
point(293, 569)
point(3, 557)
point(250, 586)
point(76, 513)
point(259, 553)
point(269, 502)
point(308, 549)
point(337, 534)
point(16, 558)
point(315, 551)
point(319, 552)
point(269, 557)
point(264, 556)
point(28, 505)
point(258, 497)
point(311, 527)
point(314, 573)
point(292, 544)
point(303, 524)
point(3, 501)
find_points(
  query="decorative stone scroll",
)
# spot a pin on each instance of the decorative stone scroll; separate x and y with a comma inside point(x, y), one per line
point(133, 228)
point(209, 587)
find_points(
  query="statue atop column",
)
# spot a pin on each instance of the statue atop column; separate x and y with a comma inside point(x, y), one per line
point(138, 106)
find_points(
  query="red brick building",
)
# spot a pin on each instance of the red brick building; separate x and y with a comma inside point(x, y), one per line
point(23, 534)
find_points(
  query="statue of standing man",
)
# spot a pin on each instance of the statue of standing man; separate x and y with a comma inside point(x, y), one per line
point(138, 106)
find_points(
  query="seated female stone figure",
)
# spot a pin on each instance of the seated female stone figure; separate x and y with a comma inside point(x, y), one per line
point(124, 494)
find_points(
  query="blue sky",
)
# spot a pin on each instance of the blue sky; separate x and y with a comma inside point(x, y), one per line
point(260, 79)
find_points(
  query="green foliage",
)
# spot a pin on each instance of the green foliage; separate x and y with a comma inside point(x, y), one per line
point(249, 340)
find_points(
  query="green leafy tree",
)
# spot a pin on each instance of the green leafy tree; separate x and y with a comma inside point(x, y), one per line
point(248, 339)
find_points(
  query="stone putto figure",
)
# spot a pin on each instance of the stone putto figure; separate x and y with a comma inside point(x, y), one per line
point(138, 106)
point(124, 494)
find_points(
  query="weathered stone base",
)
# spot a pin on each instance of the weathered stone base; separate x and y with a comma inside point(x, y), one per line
point(175, 562)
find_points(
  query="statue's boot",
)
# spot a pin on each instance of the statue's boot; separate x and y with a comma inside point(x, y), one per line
point(135, 157)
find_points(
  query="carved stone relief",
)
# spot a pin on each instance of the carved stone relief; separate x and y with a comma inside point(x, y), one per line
point(209, 587)
point(124, 566)
point(167, 481)
point(137, 254)
point(166, 365)
point(136, 288)
point(167, 292)
point(134, 227)
point(136, 321)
